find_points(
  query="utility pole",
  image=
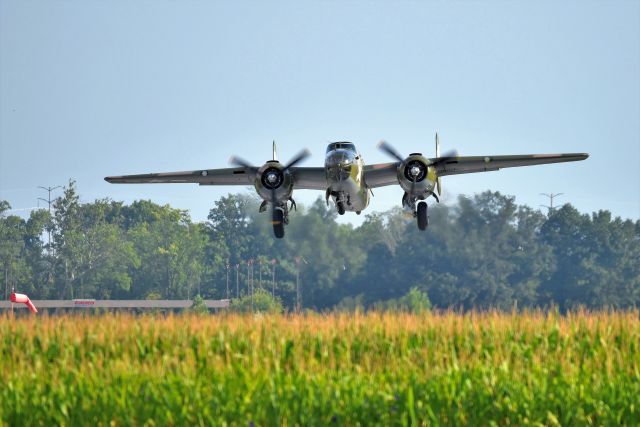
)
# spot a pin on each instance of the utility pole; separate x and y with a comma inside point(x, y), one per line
point(297, 284)
point(48, 202)
point(227, 279)
point(251, 283)
point(237, 281)
point(551, 196)
point(273, 278)
point(249, 290)
point(298, 293)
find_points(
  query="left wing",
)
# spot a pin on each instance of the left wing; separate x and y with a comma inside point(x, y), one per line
point(381, 174)
point(304, 178)
point(227, 176)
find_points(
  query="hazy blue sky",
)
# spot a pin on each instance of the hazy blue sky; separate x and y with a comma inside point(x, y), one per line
point(96, 88)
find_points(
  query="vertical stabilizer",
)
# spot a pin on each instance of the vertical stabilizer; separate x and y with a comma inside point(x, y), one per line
point(438, 185)
point(274, 153)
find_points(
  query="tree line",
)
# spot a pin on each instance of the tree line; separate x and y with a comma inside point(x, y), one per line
point(482, 252)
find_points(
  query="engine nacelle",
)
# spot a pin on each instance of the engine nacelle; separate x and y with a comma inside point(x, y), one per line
point(415, 176)
point(273, 182)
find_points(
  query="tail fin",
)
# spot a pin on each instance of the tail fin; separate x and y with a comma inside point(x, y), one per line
point(438, 184)
point(274, 155)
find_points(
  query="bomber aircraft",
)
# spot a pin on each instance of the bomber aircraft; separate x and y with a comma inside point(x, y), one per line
point(346, 179)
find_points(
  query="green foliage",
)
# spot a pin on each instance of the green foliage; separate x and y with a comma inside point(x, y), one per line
point(415, 301)
point(260, 302)
point(483, 252)
point(351, 304)
point(199, 307)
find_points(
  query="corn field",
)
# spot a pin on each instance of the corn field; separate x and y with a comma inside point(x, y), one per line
point(368, 369)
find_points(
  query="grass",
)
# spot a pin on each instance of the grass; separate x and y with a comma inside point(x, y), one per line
point(318, 370)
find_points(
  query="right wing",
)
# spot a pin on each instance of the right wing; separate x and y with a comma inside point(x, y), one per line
point(472, 164)
point(383, 174)
point(227, 176)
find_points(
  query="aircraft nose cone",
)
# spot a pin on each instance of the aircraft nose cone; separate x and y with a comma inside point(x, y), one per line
point(339, 164)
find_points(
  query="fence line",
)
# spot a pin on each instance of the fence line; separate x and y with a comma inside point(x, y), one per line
point(47, 303)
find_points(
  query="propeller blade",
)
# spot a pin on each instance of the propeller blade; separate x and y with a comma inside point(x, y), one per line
point(387, 148)
point(439, 186)
point(451, 154)
point(240, 162)
point(297, 159)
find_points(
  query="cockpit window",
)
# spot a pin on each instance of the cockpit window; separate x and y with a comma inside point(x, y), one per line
point(341, 146)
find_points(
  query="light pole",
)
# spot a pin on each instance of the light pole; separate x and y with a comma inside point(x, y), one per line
point(237, 281)
point(6, 281)
point(298, 292)
point(251, 283)
point(551, 196)
point(273, 278)
point(48, 202)
point(249, 290)
point(227, 279)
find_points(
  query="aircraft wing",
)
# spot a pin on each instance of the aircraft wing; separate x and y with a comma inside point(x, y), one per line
point(381, 174)
point(227, 176)
point(305, 178)
point(471, 164)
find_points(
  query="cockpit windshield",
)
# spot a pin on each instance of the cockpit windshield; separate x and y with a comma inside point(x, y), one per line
point(341, 146)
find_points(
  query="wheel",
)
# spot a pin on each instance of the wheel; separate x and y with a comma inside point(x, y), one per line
point(278, 223)
point(421, 214)
point(340, 208)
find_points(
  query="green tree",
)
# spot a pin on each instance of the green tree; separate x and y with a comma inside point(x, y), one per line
point(12, 250)
point(260, 302)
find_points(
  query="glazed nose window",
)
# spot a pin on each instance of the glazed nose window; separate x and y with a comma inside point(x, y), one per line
point(339, 165)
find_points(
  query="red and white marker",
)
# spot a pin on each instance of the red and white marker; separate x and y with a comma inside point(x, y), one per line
point(23, 299)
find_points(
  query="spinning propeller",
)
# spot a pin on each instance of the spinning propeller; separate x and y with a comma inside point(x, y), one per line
point(414, 169)
point(274, 174)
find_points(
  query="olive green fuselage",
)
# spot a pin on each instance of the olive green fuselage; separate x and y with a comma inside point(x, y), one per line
point(345, 167)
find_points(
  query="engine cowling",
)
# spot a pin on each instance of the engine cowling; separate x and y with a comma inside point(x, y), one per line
point(273, 182)
point(415, 175)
